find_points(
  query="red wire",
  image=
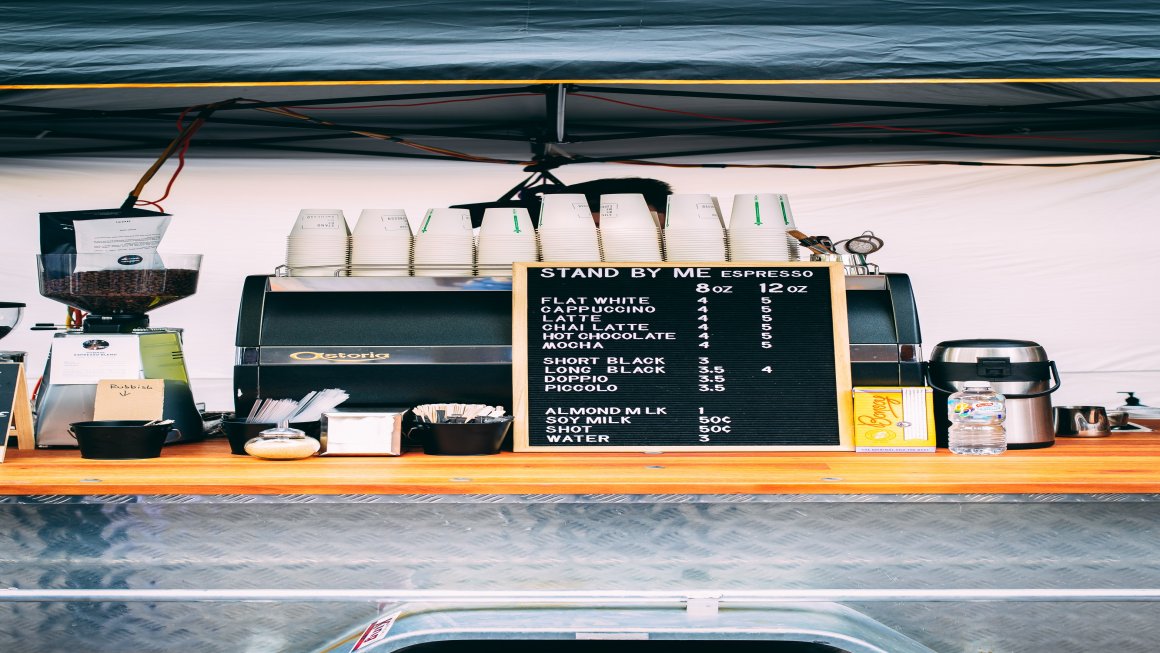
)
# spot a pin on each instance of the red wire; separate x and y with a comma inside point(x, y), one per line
point(180, 159)
point(177, 171)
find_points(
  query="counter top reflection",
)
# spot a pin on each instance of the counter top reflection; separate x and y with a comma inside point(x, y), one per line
point(1124, 463)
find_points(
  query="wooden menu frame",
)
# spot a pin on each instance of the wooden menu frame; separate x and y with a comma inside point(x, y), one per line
point(841, 382)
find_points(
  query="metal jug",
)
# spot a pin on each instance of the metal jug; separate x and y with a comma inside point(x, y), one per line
point(1017, 369)
point(1081, 421)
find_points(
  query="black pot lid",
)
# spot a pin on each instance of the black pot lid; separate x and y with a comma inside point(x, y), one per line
point(968, 351)
point(11, 305)
point(987, 343)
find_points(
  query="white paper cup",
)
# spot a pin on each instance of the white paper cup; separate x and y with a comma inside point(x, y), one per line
point(693, 212)
point(631, 245)
point(570, 246)
point(757, 245)
point(315, 221)
point(515, 221)
point(445, 221)
point(319, 244)
point(695, 245)
point(625, 211)
point(494, 254)
point(376, 222)
point(760, 210)
point(566, 212)
point(381, 238)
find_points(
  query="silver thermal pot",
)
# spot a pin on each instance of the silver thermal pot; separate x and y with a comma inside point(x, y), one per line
point(1020, 370)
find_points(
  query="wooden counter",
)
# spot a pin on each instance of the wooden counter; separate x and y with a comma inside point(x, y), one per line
point(1077, 516)
point(1122, 463)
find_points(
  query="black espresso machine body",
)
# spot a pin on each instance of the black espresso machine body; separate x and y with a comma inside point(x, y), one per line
point(885, 340)
point(405, 341)
point(387, 341)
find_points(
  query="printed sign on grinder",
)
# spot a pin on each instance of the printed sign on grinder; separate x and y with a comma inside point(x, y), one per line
point(673, 357)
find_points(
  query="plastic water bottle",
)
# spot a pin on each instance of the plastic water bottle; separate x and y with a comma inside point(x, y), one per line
point(976, 415)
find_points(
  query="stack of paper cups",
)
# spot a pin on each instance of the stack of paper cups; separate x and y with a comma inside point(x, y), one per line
point(628, 231)
point(757, 229)
point(444, 244)
point(567, 231)
point(693, 229)
point(319, 244)
point(505, 237)
point(787, 216)
point(381, 244)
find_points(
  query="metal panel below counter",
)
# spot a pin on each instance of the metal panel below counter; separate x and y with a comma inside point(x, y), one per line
point(902, 544)
point(1077, 516)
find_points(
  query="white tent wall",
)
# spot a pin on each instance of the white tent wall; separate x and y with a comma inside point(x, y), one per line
point(1061, 256)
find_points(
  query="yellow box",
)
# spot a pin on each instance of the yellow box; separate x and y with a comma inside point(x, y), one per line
point(893, 419)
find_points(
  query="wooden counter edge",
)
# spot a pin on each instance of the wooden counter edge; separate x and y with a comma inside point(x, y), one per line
point(1128, 464)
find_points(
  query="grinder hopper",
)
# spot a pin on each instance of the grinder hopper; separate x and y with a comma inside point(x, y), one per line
point(118, 293)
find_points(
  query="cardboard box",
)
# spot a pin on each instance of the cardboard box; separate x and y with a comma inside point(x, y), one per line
point(893, 419)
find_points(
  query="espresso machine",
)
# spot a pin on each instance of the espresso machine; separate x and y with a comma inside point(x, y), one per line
point(115, 340)
point(388, 341)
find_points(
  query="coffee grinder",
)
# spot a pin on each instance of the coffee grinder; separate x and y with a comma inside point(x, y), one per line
point(114, 340)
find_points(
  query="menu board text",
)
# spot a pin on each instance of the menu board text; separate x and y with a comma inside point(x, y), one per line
point(669, 357)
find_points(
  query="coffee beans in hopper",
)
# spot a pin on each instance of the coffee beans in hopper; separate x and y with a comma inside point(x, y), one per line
point(107, 292)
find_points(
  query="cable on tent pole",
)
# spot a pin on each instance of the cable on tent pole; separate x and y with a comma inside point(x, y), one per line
point(556, 98)
point(179, 142)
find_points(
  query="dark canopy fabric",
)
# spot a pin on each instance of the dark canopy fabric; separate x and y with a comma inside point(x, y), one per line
point(162, 41)
point(654, 81)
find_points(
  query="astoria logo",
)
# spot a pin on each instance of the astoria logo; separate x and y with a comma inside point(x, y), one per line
point(341, 357)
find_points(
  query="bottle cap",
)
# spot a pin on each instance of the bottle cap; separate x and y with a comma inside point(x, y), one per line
point(977, 384)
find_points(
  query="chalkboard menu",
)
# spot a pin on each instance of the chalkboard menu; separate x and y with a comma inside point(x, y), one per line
point(673, 357)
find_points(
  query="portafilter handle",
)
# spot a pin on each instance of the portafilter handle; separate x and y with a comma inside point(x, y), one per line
point(1032, 395)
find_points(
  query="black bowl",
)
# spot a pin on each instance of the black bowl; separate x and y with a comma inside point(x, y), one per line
point(119, 439)
point(463, 439)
